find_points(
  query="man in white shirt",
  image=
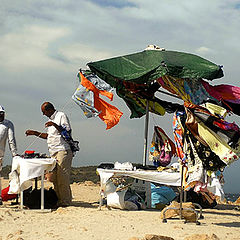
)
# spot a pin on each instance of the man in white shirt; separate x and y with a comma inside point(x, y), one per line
point(6, 134)
point(59, 149)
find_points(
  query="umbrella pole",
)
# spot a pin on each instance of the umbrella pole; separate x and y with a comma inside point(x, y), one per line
point(181, 192)
point(146, 135)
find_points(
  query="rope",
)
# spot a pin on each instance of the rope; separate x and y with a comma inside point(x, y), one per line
point(32, 142)
point(66, 104)
point(155, 123)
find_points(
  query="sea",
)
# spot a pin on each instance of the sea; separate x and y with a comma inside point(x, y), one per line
point(232, 196)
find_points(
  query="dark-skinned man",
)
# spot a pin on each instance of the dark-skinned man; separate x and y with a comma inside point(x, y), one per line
point(58, 149)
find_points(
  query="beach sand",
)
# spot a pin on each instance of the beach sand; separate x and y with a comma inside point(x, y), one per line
point(83, 221)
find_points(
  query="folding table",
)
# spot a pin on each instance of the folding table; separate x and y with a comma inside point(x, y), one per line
point(26, 169)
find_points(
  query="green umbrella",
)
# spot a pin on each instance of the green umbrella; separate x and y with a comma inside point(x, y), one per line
point(134, 76)
point(146, 66)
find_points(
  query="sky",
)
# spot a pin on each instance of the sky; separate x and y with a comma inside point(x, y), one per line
point(43, 44)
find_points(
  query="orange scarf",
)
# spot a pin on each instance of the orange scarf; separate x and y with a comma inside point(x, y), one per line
point(108, 113)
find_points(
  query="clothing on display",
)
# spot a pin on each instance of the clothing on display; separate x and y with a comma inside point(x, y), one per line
point(162, 148)
point(228, 95)
point(189, 90)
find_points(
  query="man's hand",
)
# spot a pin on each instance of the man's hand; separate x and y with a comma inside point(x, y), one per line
point(49, 124)
point(30, 132)
point(36, 133)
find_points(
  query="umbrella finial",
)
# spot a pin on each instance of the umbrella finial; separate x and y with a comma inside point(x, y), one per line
point(154, 47)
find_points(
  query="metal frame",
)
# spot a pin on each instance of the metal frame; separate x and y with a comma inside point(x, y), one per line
point(42, 194)
point(180, 205)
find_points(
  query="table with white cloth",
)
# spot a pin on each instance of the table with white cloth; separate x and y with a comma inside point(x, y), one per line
point(163, 177)
point(169, 178)
point(26, 169)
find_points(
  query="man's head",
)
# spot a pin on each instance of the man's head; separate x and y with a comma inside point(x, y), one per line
point(47, 109)
point(2, 113)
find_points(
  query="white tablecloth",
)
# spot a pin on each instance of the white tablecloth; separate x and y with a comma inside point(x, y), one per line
point(165, 178)
point(25, 169)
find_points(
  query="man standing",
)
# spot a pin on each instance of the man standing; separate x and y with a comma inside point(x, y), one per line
point(6, 133)
point(58, 149)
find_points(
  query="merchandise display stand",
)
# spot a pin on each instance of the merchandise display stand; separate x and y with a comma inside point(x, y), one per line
point(165, 178)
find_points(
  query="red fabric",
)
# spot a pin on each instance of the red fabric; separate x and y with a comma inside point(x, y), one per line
point(5, 196)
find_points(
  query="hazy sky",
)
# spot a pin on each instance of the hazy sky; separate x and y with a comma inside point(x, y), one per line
point(44, 43)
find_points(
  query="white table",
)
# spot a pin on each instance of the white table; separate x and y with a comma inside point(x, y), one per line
point(164, 177)
point(26, 169)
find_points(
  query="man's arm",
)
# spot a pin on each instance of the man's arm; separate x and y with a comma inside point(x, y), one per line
point(63, 125)
point(36, 133)
point(49, 124)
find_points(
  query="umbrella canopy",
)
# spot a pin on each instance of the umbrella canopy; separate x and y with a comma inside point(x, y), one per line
point(134, 76)
point(149, 65)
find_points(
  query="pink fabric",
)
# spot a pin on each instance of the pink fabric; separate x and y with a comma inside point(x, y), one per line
point(223, 92)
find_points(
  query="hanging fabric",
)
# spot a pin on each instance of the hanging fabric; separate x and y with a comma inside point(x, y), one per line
point(223, 92)
point(178, 133)
point(162, 148)
point(196, 172)
point(196, 151)
point(229, 132)
point(137, 104)
point(228, 95)
point(87, 97)
point(218, 145)
point(214, 132)
point(190, 90)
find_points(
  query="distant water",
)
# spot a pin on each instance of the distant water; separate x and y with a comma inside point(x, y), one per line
point(232, 196)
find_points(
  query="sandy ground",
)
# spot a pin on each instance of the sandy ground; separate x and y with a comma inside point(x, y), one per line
point(83, 221)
